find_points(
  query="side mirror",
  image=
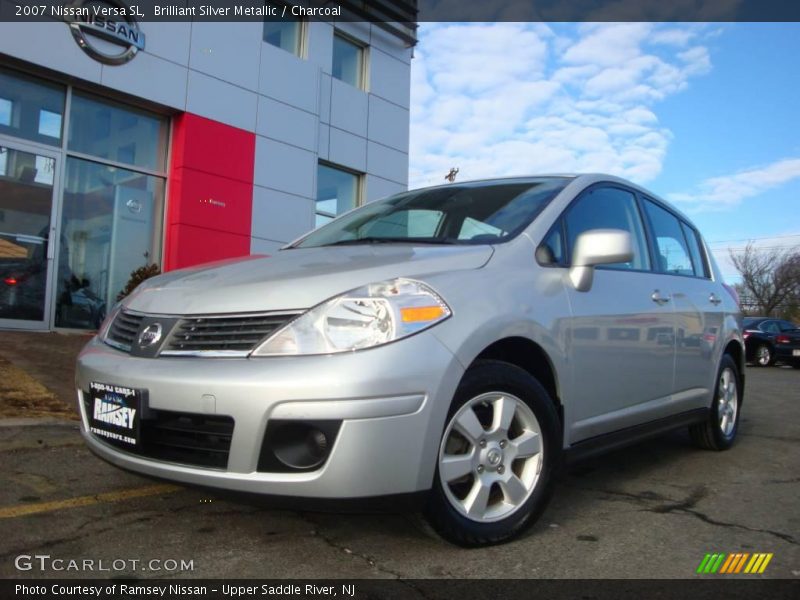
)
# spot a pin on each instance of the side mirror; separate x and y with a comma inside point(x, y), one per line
point(598, 247)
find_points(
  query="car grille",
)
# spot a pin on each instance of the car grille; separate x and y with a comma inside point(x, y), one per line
point(210, 336)
point(123, 330)
point(190, 439)
point(228, 334)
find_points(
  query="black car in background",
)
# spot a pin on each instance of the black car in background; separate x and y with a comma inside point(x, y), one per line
point(768, 341)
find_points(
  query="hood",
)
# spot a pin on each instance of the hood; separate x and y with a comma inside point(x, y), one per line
point(295, 279)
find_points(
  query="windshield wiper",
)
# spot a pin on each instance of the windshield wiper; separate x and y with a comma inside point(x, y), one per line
point(394, 240)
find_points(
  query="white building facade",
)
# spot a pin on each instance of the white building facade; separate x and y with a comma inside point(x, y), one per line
point(192, 142)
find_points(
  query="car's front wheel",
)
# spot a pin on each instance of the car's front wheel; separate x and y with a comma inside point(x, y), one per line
point(718, 432)
point(496, 457)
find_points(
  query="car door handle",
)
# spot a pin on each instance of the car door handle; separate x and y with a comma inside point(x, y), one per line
point(658, 298)
point(714, 299)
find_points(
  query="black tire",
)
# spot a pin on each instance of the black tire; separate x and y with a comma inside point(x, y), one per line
point(796, 364)
point(482, 378)
point(709, 434)
point(762, 351)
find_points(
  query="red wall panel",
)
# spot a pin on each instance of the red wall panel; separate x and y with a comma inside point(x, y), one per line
point(210, 195)
point(195, 245)
point(213, 147)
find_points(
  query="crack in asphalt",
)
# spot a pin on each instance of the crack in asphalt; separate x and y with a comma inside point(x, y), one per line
point(332, 543)
point(792, 480)
point(686, 506)
point(777, 438)
point(57, 542)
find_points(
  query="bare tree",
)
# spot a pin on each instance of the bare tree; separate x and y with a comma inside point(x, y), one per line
point(770, 277)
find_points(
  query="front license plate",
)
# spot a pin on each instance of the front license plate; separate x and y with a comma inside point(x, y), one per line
point(795, 352)
point(115, 413)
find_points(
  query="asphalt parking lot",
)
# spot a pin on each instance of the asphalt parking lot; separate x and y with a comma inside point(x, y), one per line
point(649, 511)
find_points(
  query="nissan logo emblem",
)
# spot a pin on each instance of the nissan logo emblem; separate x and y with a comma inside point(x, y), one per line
point(105, 29)
point(150, 335)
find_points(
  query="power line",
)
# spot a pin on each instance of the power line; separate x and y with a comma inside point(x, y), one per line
point(755, 239)
point(736, 248)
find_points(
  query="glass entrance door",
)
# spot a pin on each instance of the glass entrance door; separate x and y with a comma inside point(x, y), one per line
point(28, 179)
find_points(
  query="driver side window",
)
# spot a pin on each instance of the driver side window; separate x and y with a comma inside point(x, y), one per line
point(609, 208)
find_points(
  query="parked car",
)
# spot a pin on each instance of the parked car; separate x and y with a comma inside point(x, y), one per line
point(770, 340)
point(449, 345)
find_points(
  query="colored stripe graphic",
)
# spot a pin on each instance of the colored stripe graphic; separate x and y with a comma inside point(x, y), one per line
point(754, 563)
point(741, 562)
point(703, 563)
point(734, 563)
point(728, 563)
point(764, 564)
point(718, 563)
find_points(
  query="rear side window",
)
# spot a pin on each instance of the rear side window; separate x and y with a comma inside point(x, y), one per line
point(609, 208)
point(770, 327)
point(672, 253)
point(693, 241)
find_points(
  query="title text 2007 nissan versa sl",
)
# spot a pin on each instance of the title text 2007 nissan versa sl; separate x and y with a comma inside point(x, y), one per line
point(449, 343)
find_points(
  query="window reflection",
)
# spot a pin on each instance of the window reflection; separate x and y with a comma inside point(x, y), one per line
point(281, 31)
point(337, 192)
point(26, 193)
point(110, 226)
point(348, 59)
point(118, 134)
point(31, 109)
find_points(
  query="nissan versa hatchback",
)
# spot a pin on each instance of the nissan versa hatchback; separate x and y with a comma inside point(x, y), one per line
point(448, 345)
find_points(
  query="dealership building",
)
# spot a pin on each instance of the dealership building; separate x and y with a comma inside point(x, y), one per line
point(178, 143)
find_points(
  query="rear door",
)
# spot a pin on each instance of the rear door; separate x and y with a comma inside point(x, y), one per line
point(697, 304)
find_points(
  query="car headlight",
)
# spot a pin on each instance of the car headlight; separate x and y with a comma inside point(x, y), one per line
point(368, 316)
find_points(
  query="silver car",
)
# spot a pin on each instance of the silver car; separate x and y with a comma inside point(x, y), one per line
point(449, 345)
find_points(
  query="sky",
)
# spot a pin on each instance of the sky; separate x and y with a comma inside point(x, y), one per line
point(706, 116)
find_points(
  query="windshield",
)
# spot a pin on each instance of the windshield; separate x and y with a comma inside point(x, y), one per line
point(478, 213)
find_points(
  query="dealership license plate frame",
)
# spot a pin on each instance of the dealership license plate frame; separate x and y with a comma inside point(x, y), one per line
point(126, 397)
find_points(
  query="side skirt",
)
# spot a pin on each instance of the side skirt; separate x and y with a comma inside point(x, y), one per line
point(631, 435)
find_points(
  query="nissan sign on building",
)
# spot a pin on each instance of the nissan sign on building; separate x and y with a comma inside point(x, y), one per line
point(129, 140)
point(109, 34)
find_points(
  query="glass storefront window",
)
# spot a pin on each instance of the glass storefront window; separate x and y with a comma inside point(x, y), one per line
point(26, 201)
point(116, 133)
point(110, 226)
point(31, 109)
point(337, 192)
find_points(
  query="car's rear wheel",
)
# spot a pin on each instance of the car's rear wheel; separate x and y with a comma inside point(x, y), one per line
point(497, 453)
point(763, 355)
point(719, 431)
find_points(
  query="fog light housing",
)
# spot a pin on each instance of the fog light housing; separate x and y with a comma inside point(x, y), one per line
point(297, 445)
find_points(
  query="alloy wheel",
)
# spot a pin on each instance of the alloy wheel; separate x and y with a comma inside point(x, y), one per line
point(727, 402)
point(490, 458)
point(763, 356)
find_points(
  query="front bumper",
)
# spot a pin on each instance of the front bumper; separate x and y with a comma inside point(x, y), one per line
point(392, 401)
